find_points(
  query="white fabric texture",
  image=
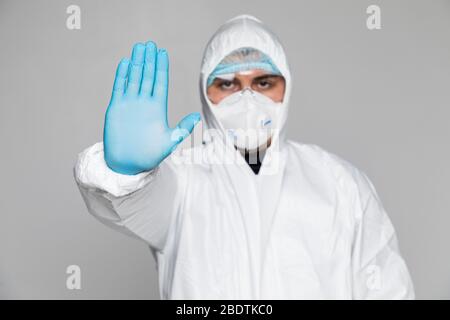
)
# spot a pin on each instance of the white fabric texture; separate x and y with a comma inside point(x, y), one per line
point(309, 226)
point(91, 168)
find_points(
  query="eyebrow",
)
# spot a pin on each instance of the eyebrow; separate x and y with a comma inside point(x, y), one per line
point(265, 76)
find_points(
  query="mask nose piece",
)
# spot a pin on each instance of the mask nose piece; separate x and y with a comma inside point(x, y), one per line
point(248, 94)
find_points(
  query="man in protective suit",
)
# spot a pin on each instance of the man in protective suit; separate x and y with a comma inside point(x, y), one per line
point(248, 214)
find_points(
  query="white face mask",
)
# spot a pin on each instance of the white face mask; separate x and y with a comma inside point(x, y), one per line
point(248, 117)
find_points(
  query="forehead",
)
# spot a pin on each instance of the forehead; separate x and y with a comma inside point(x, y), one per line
point(251, 74)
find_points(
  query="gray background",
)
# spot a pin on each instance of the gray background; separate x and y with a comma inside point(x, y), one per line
point(380, 99)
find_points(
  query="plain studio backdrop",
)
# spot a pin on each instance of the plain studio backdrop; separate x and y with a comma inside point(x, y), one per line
point(380, 99)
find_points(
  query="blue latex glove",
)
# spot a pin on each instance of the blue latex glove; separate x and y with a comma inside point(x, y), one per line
point(136, 134)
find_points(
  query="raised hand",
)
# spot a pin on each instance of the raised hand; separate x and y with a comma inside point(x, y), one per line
point(136, 135)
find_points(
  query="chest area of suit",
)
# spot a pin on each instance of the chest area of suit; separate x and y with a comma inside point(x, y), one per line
point(305, 237)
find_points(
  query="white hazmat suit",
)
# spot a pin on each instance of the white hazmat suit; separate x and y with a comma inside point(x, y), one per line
point(308, 226)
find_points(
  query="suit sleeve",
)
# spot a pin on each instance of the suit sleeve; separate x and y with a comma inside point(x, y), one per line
point(142, 205)
point(379, 271)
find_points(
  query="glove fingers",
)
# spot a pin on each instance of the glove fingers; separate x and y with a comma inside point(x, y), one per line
point(135, 69)
point(120, 80)
point(148, 73)
point(160, 89)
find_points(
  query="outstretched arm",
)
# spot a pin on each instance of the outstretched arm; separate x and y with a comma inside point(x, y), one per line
point(124, 180)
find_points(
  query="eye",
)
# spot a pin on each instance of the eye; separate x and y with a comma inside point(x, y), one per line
point(264, 84)
point(226, 85)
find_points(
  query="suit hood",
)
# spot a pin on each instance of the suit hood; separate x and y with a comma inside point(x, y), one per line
point(239, 32)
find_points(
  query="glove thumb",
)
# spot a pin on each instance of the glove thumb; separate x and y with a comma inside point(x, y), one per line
point(184, 128)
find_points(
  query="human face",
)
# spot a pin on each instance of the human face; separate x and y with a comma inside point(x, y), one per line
point(272, 86)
